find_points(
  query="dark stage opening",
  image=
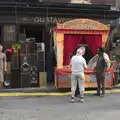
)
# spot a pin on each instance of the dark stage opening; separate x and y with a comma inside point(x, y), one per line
point(33, 31)
point(73, 42)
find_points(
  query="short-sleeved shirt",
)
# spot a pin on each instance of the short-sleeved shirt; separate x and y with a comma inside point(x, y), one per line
point(2, 60)
point(101, 65)
point(78, 64)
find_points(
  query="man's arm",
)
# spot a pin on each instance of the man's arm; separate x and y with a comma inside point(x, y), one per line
point(5, 63)
point(71, 62)
point(85, 64)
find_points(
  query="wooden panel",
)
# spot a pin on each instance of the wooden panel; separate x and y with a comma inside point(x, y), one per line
point(64, 83)
point(90, 81)
point(42, 79)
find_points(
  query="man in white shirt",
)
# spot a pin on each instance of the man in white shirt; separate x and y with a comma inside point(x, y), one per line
point(3, 66)
point(78, 65)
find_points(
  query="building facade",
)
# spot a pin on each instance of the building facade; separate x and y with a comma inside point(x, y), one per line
point(46, 15)
point(37, 18)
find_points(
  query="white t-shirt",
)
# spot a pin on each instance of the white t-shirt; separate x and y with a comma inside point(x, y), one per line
point(78, 64)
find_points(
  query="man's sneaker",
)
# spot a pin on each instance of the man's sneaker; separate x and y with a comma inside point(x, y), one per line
point(72, 100)
point(82, 100)
point(102, 95)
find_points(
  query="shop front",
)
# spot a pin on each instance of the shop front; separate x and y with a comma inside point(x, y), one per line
point(23, 22)
point(75, 33)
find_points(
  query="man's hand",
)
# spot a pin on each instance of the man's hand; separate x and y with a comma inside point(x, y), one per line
point(5, 69)
point(94, 72)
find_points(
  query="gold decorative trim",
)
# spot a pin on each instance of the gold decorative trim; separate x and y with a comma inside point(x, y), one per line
point(83, 24)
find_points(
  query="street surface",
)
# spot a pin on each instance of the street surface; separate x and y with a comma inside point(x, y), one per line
point(60, 108)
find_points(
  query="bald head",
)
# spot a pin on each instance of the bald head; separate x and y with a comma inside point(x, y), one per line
point(1, 47)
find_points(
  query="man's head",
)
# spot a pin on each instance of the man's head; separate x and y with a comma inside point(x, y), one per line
point(83, 49)
point(100, 50)
point(80, 52)
point(1, 47)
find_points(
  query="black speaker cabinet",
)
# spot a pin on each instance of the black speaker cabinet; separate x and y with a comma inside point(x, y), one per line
point(15, 62)
point(25, 80)
point(23, 48)
point(34, 76)
point(15, 59)
point(41, 66)
point(22, 58)
point(25, 74)
point(33, 59)
point(31, 47)
point(38, 47)
point(15, 79)
point(27, 48)
point(41, 56)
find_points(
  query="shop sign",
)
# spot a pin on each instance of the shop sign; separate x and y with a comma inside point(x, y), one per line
point(83, 24)
point(50, 20)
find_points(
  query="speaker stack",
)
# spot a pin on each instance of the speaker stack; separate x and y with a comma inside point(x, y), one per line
point(40, 48)
point(34, 76)
point(24, 64)
point(33, 70)
point(32, 62)
point(27, 46)
point(30, 43)
point(28, 59)
point(15, 81)
point(15, 58)
point(25, 73)
point(16, 76)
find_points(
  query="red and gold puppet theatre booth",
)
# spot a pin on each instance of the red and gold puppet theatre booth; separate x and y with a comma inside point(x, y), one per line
point(67, 38)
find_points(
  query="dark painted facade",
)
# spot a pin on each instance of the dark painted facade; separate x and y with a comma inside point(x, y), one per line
point(14, 14)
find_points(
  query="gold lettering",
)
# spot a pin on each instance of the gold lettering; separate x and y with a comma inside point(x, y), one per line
point(83, 24)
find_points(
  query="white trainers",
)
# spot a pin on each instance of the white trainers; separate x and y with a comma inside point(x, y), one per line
point(72, 100)
point(82, 100)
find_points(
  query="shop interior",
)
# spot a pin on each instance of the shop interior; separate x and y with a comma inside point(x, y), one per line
point(33, 31)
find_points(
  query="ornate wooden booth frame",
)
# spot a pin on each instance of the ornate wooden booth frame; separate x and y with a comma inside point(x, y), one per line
point(77, 26)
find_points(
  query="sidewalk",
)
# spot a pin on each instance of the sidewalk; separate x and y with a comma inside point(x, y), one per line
point(45, 89)
point(49, 91)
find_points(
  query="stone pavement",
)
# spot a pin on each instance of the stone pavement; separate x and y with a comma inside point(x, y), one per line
point(49, 89)
point(59, 108)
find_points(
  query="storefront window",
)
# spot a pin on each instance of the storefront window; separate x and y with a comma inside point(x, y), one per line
point(9, 33)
